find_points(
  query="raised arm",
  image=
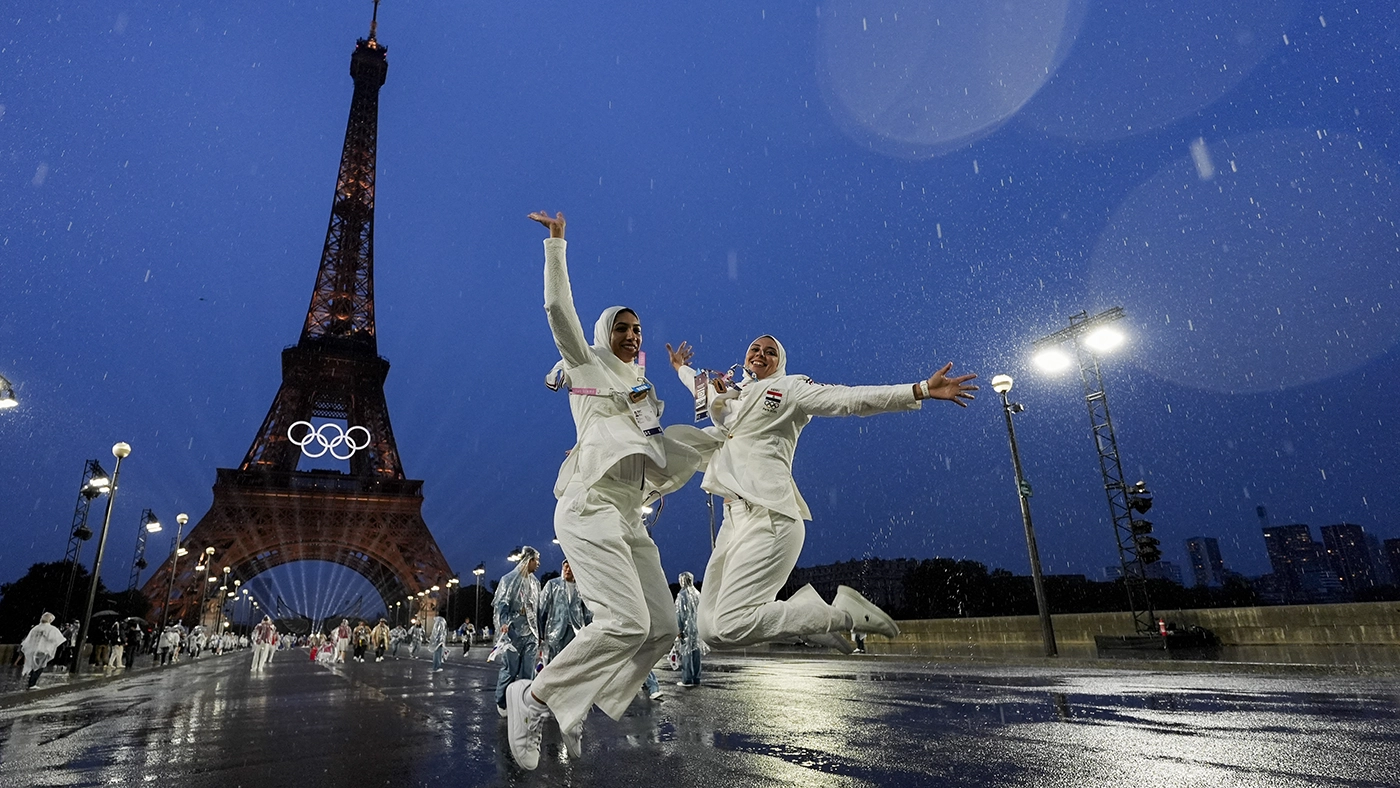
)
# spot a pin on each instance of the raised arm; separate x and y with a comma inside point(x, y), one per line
point(558, 294)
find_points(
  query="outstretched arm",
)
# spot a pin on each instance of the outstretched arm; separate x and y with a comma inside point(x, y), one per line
point(940, 386)
point(558, 294)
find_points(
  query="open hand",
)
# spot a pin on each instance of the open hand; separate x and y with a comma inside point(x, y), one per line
point(681, 355)
point(957, 389)
point(555, 223)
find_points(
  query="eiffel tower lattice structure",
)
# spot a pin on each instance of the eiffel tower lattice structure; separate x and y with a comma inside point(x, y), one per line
point(266, 512)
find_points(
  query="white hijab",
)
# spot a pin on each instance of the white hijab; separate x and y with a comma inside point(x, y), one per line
point(782, 360)
point(602, 348)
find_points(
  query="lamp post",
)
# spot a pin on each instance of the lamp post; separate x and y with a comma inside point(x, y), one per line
point(93, 484)
point(204, 589)
point(121, 451)
point(180, 520)
point(1001, 384)
point(150, 524)
point(1089, 336)
point(476, 608)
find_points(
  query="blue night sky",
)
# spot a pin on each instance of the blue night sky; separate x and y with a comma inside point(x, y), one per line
point(885, 186)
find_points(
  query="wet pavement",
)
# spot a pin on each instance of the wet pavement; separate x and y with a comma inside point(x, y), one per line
point(859, 721)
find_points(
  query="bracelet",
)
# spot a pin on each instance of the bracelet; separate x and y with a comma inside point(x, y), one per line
point(923, 389)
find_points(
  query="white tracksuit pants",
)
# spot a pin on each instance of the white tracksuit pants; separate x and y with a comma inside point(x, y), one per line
point(619, 575)
point(756, 551)
point(262, 654)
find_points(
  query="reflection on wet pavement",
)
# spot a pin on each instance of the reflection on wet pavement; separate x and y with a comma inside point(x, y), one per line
point(754, 721)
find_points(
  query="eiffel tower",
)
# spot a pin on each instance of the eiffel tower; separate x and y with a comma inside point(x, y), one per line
point(266, 512)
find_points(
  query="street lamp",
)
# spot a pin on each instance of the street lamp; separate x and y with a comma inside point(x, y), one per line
point(1001, 384)
point(204, 590)
point(1090, 336)
point(121, 451)
point(150, 524)
point(180, 520)
point(7, 394)
point(476, 608)
point(93, 484)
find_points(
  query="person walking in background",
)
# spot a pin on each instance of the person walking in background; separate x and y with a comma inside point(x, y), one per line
point(562, 613)
point(468, 634)
point(379, 639)
point(437, 642)
point(264, 641)
point(688, 643)
point(117, 636)
point(515, 608)
point(340, 639)
point(360, 637)
point(415, 637)
point(39, 647)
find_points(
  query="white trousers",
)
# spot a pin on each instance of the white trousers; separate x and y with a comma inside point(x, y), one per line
point(619, 575)
point(756, 551)
point(262, 654)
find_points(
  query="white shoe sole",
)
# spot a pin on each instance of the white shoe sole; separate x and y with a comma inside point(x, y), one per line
point(865, 616)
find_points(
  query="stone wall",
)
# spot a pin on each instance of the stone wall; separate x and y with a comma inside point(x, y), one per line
point(1361, 634)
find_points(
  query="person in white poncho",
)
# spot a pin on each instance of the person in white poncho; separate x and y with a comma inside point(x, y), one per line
point(758, 426)
point(39, 647)
point(620, 459)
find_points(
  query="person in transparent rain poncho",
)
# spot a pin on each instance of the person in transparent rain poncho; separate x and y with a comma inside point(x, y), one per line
point(688, 643)
point(264, 642)
point(515, 609)
point(562, 614)
point(757, 424)
point(39, 647)
point(621, 458)
point(437, 642)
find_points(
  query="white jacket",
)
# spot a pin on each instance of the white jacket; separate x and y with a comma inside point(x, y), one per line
point(760, 427)
point(599, 384)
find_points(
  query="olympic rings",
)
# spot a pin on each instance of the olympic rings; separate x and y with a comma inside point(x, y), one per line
point(342, 438)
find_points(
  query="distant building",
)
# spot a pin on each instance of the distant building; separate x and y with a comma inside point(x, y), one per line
point(1300, 565)
point(1349, 556)
point(1392, 554)
point(879, 580)
point(1385, 576)
point(1207, 567)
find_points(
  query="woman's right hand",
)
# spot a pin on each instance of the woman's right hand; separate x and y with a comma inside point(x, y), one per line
point(555, 223)
point(681, 355)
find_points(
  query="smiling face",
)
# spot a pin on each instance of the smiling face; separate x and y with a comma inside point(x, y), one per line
point(762, 358)
point(626, 336)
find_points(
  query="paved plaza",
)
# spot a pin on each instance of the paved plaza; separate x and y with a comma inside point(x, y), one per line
point(770, 720)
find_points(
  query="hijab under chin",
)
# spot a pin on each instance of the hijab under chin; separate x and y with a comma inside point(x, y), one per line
point(602, 346)
point(782, 359)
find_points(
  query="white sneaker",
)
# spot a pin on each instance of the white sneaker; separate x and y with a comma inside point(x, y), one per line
point(501, 710)
point(831, 640)
point(526, 725)
point(655, 695)
point(865, 616)
point(573, 740)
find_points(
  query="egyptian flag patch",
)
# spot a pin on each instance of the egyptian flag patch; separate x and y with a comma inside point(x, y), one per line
point(772, 400)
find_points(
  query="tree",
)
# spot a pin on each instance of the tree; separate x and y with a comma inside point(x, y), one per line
point(42, 590)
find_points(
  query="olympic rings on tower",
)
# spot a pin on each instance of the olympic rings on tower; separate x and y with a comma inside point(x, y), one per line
point(343, 437)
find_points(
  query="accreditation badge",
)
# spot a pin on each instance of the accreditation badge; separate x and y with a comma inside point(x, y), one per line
point(648, 420)
point(701, 386)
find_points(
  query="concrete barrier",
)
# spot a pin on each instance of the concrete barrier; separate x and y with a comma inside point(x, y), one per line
point(1365, 633)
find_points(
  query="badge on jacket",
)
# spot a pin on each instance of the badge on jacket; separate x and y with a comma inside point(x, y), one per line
point(772, 400)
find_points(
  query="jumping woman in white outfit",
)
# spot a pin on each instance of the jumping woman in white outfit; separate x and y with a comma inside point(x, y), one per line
point(763, 529)
point(620, 458)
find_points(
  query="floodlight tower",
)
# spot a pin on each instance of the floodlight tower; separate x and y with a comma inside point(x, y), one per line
point(1137, 548)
